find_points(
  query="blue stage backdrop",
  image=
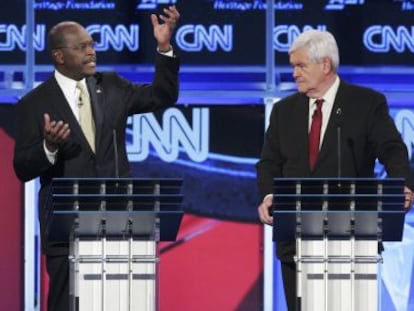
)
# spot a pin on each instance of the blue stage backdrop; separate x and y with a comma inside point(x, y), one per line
point(214, 146)
point(221, 32)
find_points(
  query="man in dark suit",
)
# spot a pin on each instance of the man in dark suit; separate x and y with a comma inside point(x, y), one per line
point(367, 133)
point(50, 141)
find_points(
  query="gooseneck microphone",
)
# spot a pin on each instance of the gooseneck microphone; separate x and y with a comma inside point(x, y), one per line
point(338, 114)
point(115, 153)
point(351, 145)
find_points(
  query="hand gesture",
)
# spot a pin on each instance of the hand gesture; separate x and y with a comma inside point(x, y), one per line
point(55, 132)
point(163, 32)
point(409, 198)
point(264, 210)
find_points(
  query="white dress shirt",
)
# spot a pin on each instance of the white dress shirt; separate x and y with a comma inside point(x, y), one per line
point(329, 98)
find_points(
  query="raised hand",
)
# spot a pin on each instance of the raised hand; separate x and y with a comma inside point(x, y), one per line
point(164, 31)
point(55, 132)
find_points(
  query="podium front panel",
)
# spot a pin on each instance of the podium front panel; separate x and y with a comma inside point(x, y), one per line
point(112, 227)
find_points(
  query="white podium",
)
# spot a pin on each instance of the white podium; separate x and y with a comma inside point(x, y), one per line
point(338, 226)
point(112, 227)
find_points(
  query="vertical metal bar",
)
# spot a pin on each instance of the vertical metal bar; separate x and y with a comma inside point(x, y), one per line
point(77, 276)
point(353, 257)
point(76, 252)
point(29, 82)
point(130, 208)
point(103, 272)
point(75, 192)
point(102, 233)
point(153, 245)
point(130, 271)
point(326, 256)
point(31, 270)
point(325, 271)
point(380, 192)
point(299, 273)
point(30, 53)
point(270, 86)
point(130, 192)
point(270, 55)
point(157, 192)
point(379, 286)
point(102, 192)
point(152, 268)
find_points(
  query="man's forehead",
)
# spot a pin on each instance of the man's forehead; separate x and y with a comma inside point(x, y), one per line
point(299, 55)
point(78, 33)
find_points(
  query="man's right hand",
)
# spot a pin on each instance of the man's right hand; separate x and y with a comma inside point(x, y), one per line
point(54, 132)
point(265, 209)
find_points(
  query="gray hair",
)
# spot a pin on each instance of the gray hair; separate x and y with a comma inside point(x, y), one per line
point(319, 44)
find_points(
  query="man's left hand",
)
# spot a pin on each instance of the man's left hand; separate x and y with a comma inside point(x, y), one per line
point(163, 32)
point(409, 197)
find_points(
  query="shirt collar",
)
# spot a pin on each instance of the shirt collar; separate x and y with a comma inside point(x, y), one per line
point(329, 96)
point(67, 84)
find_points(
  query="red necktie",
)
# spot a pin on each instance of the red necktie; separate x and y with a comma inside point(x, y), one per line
point(315, 133)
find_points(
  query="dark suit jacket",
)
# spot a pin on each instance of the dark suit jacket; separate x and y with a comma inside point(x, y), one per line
point(113, 100)
point(367, 133)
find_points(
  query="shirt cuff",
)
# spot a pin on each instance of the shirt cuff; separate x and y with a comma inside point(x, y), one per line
point(51, 156)
point(169, 53)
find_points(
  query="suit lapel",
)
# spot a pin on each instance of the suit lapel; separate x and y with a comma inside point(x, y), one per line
point(62, 108)
point(302, 128)
point(62, 111)
point(303, 113)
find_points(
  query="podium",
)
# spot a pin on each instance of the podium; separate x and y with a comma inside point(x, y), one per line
point(338, 226)
point(112, 227)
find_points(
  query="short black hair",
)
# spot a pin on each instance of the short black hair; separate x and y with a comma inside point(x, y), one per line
point(57, 35)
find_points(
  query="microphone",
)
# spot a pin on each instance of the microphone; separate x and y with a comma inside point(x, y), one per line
point(115, 153)
point(338, 111)
point(338, 114)
point(351, 145)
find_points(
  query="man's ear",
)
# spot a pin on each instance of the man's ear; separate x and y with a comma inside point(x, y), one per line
point(57, 56)
point(327, 64)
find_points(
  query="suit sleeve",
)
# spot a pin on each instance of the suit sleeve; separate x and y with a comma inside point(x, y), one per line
point(30, 159)
point(271, 161)
point(162, 92)
point(389, 146)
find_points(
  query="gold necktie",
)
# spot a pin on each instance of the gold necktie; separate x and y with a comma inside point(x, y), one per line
point(86, 120)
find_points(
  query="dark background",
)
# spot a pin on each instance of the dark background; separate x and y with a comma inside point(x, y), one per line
point(348, 25)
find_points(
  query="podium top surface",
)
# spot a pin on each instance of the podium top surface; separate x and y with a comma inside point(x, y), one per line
point(115, 207)
point(140, 185)
point(332, 194)
point(342, 182)
point(365, 208)
point(91, 194)
point(361, 183)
